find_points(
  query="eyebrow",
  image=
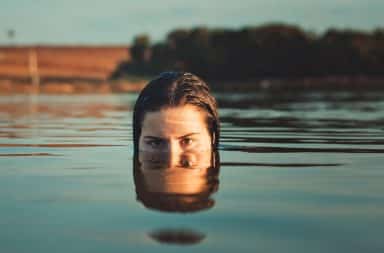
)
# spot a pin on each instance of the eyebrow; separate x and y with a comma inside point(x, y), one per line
point(187, 135)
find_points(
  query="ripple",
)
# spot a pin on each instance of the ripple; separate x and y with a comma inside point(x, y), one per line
point(298, 150)
point(102, 129)
point(351, 141)
point(281, 164)
point(303, 123)
point(81, 168)
point(309, 131)
point(28, 154)
point(57, 145)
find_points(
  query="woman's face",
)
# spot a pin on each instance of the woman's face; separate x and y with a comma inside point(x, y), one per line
point(175, 130)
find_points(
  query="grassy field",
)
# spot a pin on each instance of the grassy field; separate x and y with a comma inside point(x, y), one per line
point(60, 62)
point(63, 69)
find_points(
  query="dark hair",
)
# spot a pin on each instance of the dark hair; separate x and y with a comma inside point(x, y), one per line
point(173, 89)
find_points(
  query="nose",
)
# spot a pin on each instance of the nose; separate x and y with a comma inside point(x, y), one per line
point(174, 152)
point(188, 160)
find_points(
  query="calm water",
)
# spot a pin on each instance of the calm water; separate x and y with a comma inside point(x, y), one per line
point(298, 173)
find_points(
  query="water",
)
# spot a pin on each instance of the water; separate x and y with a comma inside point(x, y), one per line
point(298, 173)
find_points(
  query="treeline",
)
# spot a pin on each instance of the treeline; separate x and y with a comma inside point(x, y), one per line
point(269, 51)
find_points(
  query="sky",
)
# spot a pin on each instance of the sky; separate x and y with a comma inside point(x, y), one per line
point(118, 21)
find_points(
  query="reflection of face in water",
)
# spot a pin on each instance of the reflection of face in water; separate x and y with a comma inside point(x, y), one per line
point(177, 236)
point(176, 184)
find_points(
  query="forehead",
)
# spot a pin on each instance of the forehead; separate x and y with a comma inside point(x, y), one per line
point(174, 121)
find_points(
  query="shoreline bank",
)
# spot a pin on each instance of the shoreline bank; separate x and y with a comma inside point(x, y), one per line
point(360, 83)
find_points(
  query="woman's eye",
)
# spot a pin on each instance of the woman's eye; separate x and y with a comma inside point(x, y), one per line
point(154, 143)
point(186, 142)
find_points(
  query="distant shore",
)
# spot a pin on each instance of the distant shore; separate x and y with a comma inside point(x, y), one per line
point(75, 87)
point(303, 84)
point(333, 83)
point(61, 69)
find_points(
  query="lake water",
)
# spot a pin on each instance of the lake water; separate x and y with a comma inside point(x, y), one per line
point(298, 173)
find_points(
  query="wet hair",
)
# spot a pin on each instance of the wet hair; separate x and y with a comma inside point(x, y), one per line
point(171, 89)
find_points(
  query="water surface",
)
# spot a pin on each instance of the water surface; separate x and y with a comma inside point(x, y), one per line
point(298, 173)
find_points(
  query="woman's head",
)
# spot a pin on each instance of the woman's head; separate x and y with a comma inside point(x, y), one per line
point(175, 111)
